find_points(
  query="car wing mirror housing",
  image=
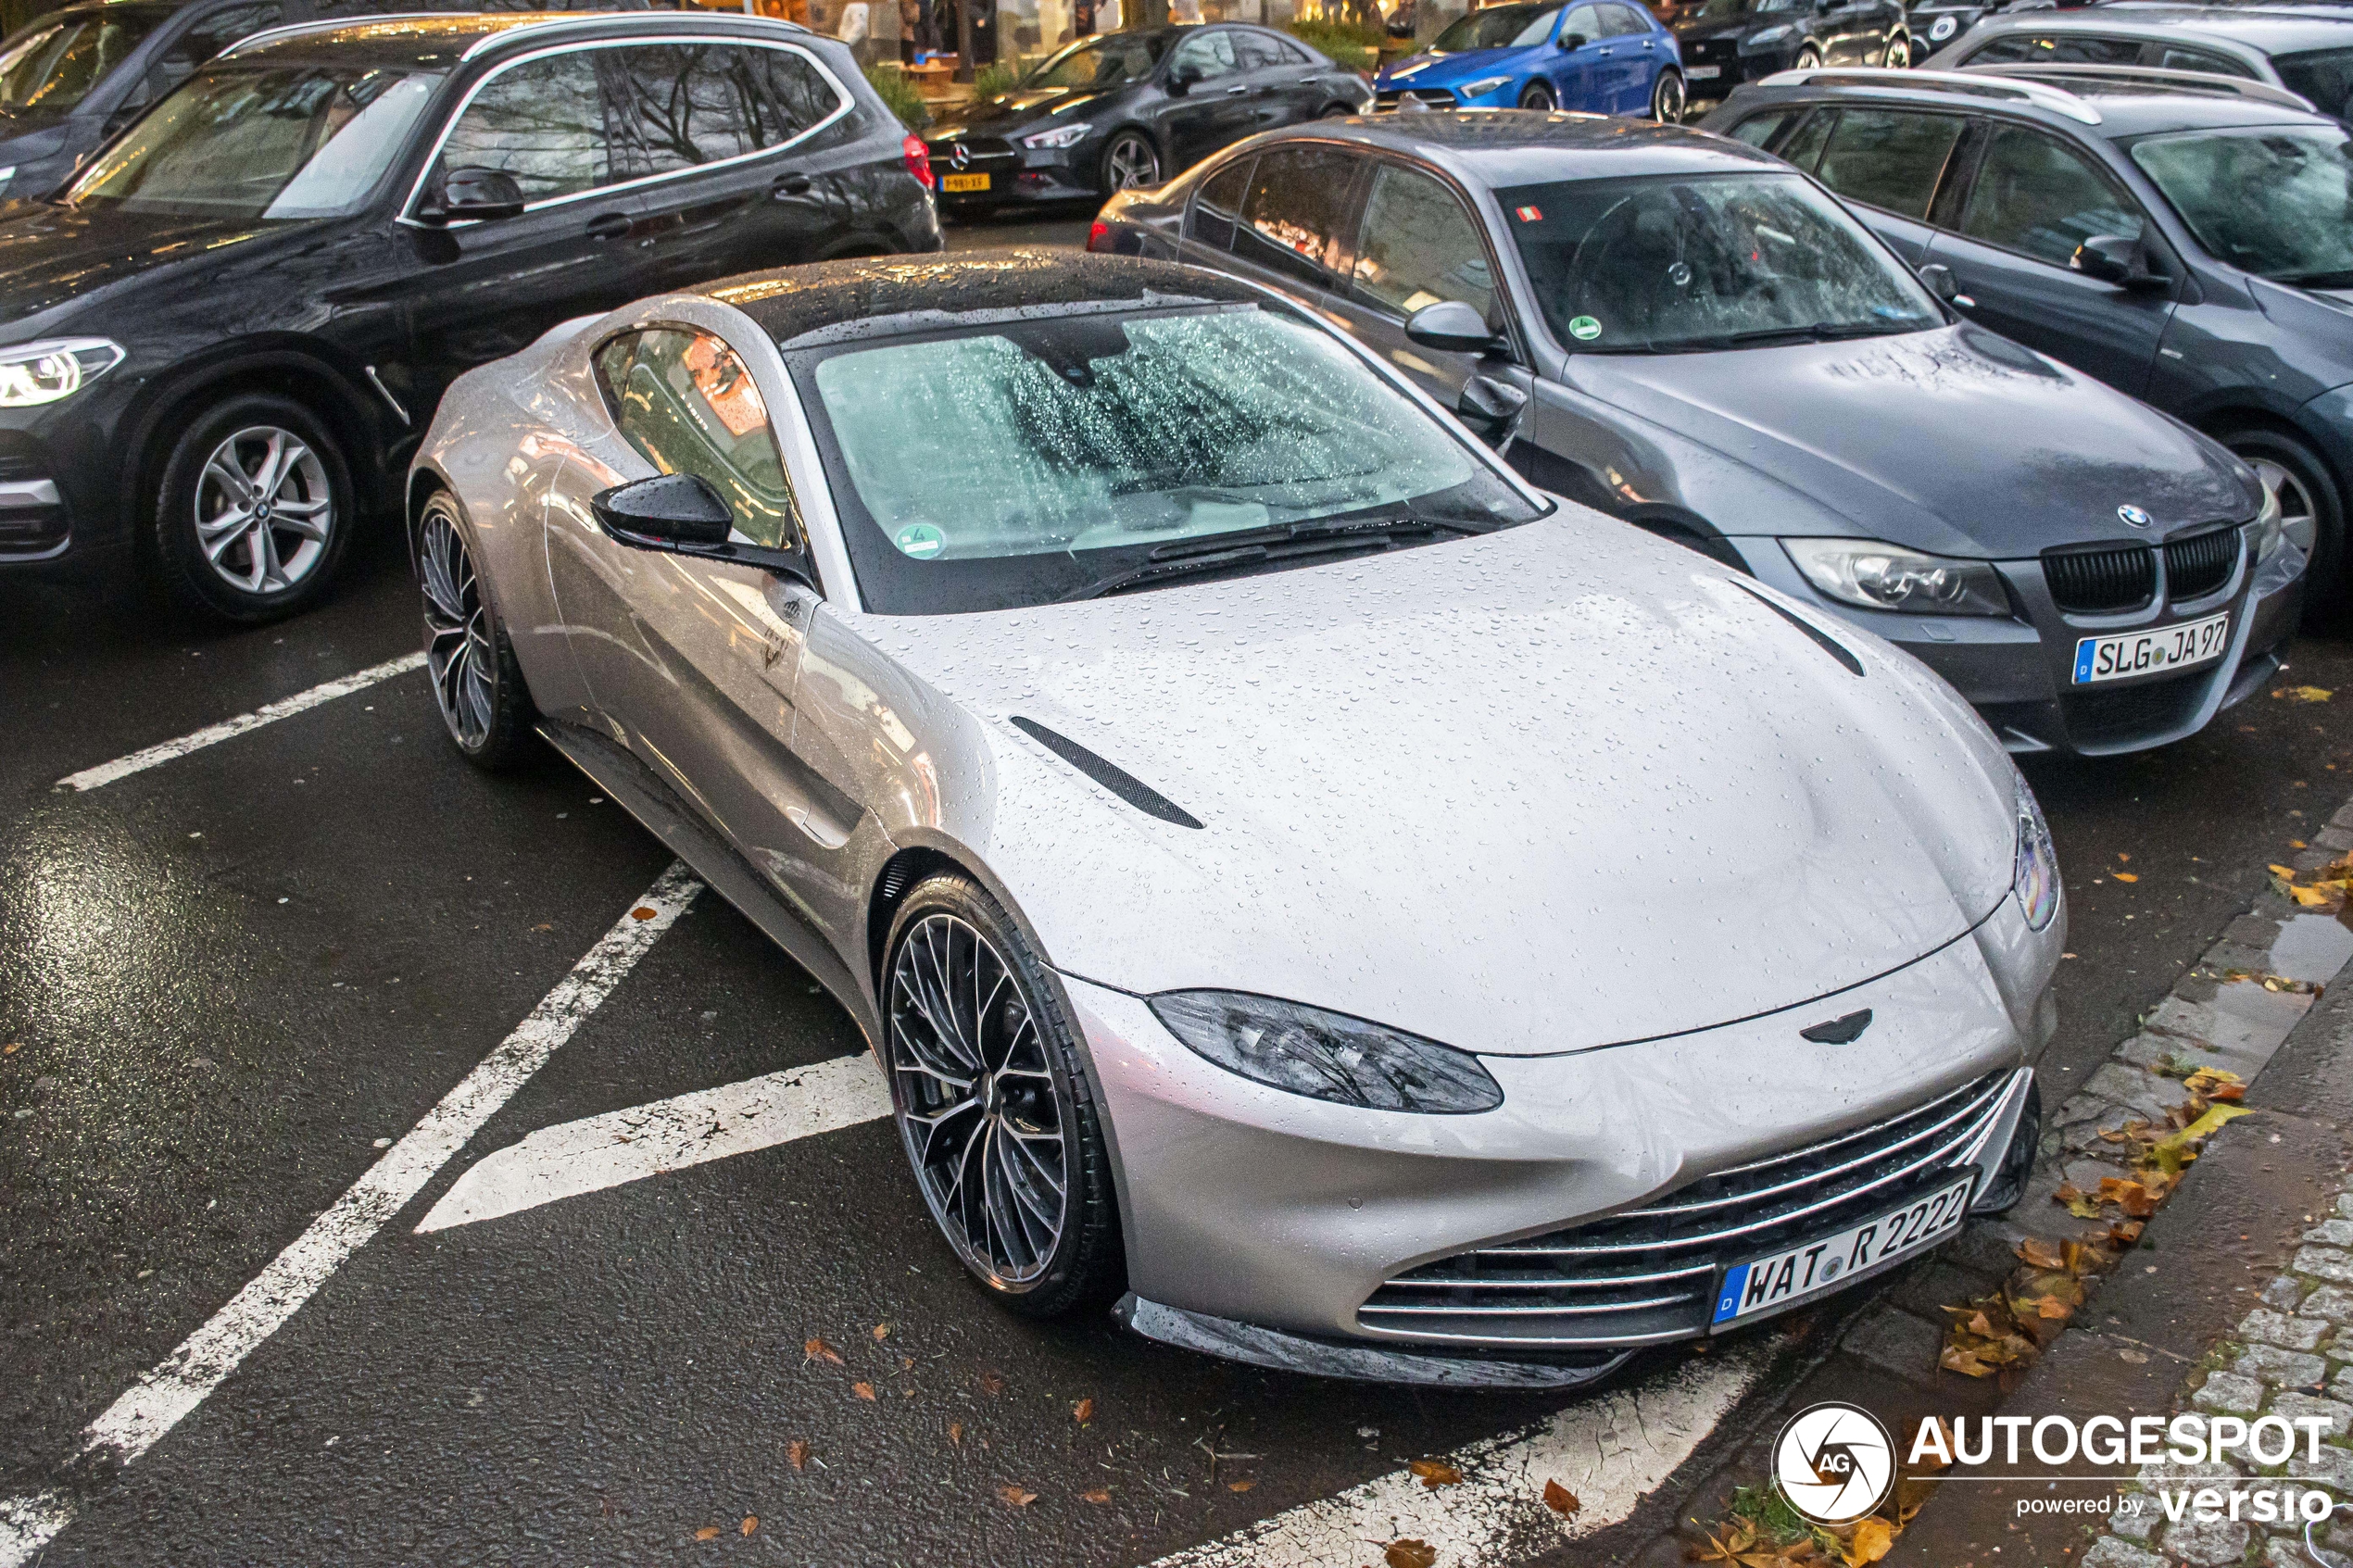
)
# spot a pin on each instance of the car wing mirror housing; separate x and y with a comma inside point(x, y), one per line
point(684, 514)
point(1452, 327)
point(1940, 281)
point(474, 194)
point(1493, 408)
point(1574, 41)
point(1180, 80)
point(2118, 259)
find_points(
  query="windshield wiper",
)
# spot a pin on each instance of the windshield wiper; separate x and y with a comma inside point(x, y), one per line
point(2341, 278)
point(1224, 552)
point(1820, 331)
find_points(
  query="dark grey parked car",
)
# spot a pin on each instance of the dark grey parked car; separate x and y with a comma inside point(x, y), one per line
point(2191, 246)
point(1679, 329)
point(2310, 52)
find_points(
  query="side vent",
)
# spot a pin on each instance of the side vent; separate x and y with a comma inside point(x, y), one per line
point(1125, 784)
point(1831, 644)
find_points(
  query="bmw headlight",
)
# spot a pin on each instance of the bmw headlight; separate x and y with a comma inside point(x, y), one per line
point(1769, 37)
point(33, 373)
point(2268, 530)
point(1059, 136)
point(2035, 877)
point(1328, 1055)
point(1878, 576)
point(1483, 86)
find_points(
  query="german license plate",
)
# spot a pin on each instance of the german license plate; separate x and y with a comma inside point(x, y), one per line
point(957, 183)
point(1702, 73)
point(2144, 653)
point(1783, 1279)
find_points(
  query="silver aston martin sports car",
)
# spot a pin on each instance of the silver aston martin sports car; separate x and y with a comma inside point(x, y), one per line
point(1354, 910)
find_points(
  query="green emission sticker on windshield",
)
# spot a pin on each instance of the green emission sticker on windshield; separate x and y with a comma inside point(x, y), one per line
point(920, 540)
point(1584, 329)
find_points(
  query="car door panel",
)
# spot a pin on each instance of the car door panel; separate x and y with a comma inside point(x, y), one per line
point(1417, 245)
point(1214, 108)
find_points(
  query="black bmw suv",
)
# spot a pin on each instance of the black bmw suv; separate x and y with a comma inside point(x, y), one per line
point(221, 343)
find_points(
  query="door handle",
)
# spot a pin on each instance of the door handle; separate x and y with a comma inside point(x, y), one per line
point(1648, 46)
point(608, 225)
point(790, 185)
point(1601, 51)
point(1237, 92)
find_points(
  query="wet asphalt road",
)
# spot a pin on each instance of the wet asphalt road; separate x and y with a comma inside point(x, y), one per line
point(228, 976)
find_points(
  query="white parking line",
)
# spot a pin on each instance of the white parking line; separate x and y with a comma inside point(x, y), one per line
point(668, 1135)
point(212, 734)
point(179, 1384)
point(1610, 1450)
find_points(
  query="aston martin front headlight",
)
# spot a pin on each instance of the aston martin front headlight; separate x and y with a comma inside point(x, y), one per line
point(2035, 877)
point(54, 369)
point(2269, 532)
point(1059, 136)
point(1483, 86)
point(1878, 576)
point(1327, 1056)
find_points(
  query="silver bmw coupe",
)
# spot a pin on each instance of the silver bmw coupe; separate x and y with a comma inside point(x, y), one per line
point(1352, 910)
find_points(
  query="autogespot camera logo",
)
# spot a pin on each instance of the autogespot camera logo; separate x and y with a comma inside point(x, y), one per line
point(1834, 1461)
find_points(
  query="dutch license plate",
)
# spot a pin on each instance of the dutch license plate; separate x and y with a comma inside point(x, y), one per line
point(953, 182)
point(2143, 653)
point(1702, 73)
point(1765, 1285)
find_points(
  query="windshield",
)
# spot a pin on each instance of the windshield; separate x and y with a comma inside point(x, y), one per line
point(1716, 261)
point(1100, 63)
point(1025, 462)
point(1498, 26)
point(51, 68)
point(2276, 201)
point(279, 143)
point(2322, 77)
point(1725, 10)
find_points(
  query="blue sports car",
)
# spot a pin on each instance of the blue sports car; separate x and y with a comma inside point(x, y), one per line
point(1609, 57)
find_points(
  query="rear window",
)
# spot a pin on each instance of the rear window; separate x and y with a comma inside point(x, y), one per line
point(2324, 76)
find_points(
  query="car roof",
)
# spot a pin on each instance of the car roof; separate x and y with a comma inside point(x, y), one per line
point(443, 39)
point(2125, 107)
point(2273, 32)
point(907, 293)
point(1506, 148)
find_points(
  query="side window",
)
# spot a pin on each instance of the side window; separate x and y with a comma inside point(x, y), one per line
point(685, 402)
point(1291, 218)
point(1804, 149)
point(1293, 54)
point(1255, 51)
point(1621, 21)
point(2058, 49)
point(1888, 159)
point(1420, 247)
point(1585, 21)
point(216, 33)
point(542, 122)
point(1759, 129)
point(1206, 55)
point(678, 105)
point(1217, 205)
point(2040, 198)
point(2172, 57)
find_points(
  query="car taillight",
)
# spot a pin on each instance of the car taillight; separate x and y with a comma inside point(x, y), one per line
point(917, 159)
point(1099, 237)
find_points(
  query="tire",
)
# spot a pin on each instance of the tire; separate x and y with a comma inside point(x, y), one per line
point(477, 686)
point(1666, 97)
point(1337, 111)
point(1130, 161)
point(1539, 97)
point(1899, 54)
point(1039, 1253)
point(1808, 59)
point(2311, 507)
point(224, 549)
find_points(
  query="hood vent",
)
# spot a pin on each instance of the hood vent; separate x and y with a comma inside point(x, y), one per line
point(1125, 784)
point(1831, 645)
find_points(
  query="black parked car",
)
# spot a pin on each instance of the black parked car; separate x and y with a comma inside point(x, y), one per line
point(225, 338)
point(1678, 330)
point(2308, 52)
point(1726, 43)
point(1937, 22)
point(2191, 246)
point(1132, 109)
point(73, 78)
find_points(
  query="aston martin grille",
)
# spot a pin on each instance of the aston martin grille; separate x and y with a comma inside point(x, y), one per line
point(2197, 567)
point(2094, 580)
point(1649, 1273)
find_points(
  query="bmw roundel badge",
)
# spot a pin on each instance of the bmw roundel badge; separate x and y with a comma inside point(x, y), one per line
point(2132, 517)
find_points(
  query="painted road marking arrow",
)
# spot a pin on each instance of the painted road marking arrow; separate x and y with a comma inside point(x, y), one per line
point(669, 1134)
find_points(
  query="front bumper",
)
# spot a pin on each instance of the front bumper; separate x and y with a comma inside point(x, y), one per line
point(1272, 1229)
point(2018, 670)
point(1014, 175)
point(63, 497)
point(1713, 67)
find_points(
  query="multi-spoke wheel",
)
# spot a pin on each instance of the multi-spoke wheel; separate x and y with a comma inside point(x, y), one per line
point(254, 508)
point(476, 684)
point(1540, 97)
point(1899, 54)
point(993, 1106)
point(1130, 161)
point(2311, 514)
point(1666, 97)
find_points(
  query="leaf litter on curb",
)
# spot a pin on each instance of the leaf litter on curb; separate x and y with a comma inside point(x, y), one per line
point(1407, 1551)
point(815, 1349)
point(1435, 1472)
point(1017, 1496)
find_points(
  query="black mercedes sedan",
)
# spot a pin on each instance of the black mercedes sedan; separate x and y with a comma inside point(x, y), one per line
point(220, 345)
point(1726, 43)
point(1132, 109)
point(1686, 333)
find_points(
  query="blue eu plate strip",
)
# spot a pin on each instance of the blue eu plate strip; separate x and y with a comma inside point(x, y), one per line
point(2083, 659)
point(1729, 1302)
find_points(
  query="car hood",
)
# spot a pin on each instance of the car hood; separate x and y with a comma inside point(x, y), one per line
point(2322, 317)
point(1560, 786)
point(1438, 71)
point(1009, 112)
point(1957, 441)
point(55, 255)
point(1727, 27)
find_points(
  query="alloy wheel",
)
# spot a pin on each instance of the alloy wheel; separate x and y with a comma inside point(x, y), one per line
point(264, 512)
point(1808, 59)
point(457, 649)
point(1539, 97)
point(1131, 162)
point(1899, 54)
point(2296, 511)
point(1667, 99)
point(982, 1117)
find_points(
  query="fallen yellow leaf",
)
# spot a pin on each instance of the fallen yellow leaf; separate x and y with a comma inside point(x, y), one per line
point(708, 1532)
point(2304, 693)
point(751, 1522)
point(1560, 1500)
point(2124, 876)
point(1083, 1412)
point(816, 1349)
point(956, 1433)
point(1407, 1552)
point(864, 1391)
point(1873, 1539)
point(1096, 1494)
point(1017, 1496)
point(1239, 1485)
point(1435, 1472)
point(797, 1453)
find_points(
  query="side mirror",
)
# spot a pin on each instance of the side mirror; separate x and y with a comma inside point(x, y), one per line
point(2114, 258)
point(1492, 408)
point(1939, 279)
point(1452, 327)
point(654, 514)
point(475, 193)
point(1181, 80)
point(1574, 41)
